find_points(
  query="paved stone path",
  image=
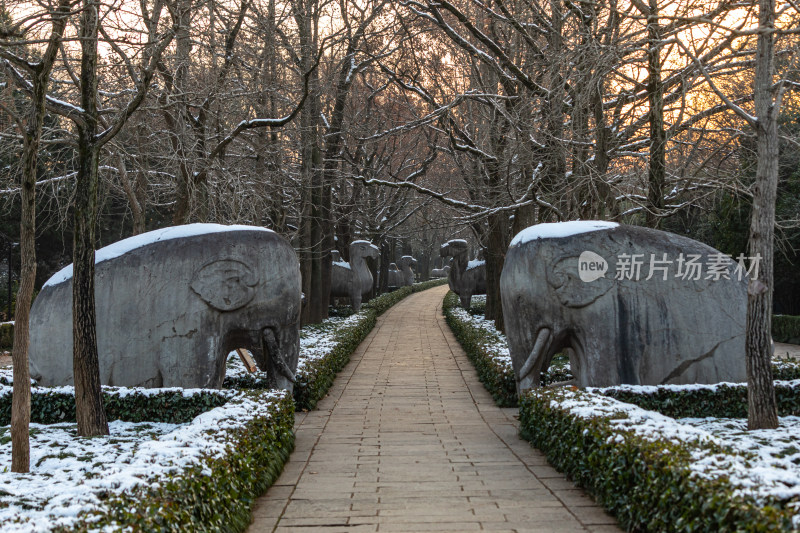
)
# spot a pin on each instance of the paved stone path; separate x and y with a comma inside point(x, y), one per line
point(787, 350)
point(409, 440)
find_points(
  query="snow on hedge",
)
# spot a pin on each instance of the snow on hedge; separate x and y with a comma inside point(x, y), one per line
point(763, 463)
point(495, 342)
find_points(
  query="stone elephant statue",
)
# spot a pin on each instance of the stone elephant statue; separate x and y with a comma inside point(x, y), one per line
point(466, 278)
point(354, 279)
point(172, 303)
point(560, 291)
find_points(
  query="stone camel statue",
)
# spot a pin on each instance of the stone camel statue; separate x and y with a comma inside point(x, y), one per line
point(354, 279)
point(466, 277)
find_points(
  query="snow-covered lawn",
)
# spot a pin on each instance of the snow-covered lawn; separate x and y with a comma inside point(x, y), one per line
point(67, 471)
point(70, 474)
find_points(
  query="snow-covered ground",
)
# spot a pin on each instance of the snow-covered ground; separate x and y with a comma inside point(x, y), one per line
point(772, 467)
point(67, 472)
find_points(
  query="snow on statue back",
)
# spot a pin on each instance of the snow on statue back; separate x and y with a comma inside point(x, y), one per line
point(171, 304)
point(585, 286)
point(354, 279)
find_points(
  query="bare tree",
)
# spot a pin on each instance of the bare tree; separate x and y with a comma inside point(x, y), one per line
point(93, 132)
point(31, 130)
point(762, 408)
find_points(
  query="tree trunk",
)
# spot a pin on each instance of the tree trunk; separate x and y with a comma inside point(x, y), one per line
point(658, 140)
point(495, 257)
point(762, 409)
point(386, 258)
point(180, 120)
point(88, 394)
point(21, 397)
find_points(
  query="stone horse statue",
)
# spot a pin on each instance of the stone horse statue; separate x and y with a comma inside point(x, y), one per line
point(466, 277)
point(354, 279)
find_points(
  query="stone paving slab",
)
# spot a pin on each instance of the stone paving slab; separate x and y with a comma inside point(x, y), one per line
point(408, 440)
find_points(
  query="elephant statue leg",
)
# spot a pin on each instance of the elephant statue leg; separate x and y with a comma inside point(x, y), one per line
point(279, 375)
point(530, 374)
point(355, 301)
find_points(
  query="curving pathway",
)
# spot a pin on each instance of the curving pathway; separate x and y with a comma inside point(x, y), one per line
point(409, 440)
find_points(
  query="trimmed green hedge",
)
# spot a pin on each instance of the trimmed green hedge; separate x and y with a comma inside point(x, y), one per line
point(720, 401)
point(313, 382)
point(648, 486)
point(214, 495)
point(52, 406)
point(498, 378)
point(785, 369)
point(786, 328)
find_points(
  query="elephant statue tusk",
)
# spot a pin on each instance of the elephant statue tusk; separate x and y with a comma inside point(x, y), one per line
point(527, 377)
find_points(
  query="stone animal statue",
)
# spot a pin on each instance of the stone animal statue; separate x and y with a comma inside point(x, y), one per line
point(394, 277)
point(407, 263)
point(466, 278)
point(354, 279)
point(440, 272)
point(172, 303)
point(575, 286)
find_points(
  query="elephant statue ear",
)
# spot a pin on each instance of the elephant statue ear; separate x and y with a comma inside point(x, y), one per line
point(572, 291)
point(226, 284)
